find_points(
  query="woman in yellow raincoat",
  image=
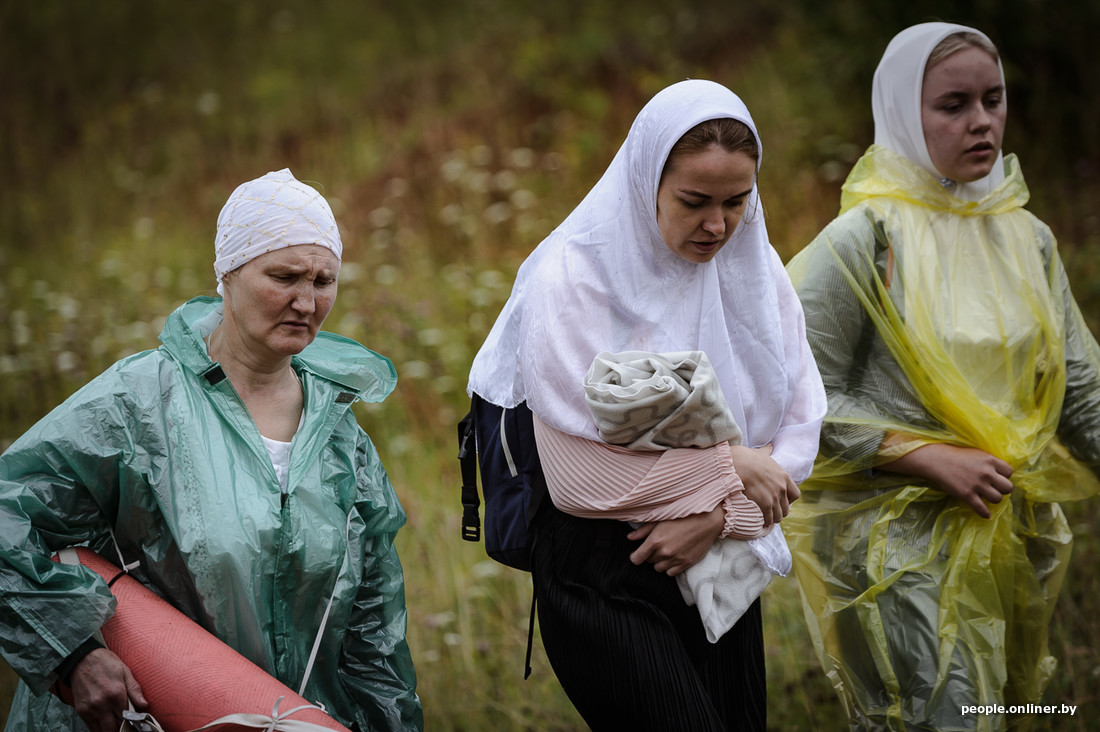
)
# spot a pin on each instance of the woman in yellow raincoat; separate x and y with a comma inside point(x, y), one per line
point(964, 403)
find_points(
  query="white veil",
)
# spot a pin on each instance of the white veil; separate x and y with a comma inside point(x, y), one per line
point(896, 102)
point(604, 280)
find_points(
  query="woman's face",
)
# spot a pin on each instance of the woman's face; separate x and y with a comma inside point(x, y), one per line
point(963, 113)
point(277, 302)
point(700, 200)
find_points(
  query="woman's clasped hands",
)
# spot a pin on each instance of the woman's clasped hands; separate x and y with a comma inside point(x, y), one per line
point(674, 545)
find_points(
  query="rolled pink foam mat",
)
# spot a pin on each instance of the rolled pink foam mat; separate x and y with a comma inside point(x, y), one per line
point(190, 678)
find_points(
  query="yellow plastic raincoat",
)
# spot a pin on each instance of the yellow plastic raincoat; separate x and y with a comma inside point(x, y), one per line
point(160, 454)
point(938, 320)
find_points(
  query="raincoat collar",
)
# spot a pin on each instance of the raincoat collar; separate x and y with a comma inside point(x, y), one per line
point(883, 173)
point(338, 359)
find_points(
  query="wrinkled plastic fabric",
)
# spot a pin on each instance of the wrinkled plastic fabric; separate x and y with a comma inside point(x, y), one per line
point(936, 320)
point(171, 463)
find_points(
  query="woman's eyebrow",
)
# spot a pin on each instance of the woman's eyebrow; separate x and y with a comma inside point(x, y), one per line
point(954, 94)
point(950, 96)
point(697, 194)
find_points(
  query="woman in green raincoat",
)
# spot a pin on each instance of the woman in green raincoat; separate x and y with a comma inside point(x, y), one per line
point(227, 465)
point(964, 404)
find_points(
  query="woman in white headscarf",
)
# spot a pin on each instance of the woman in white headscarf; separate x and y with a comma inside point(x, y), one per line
point(667, 253)
point(227, 470)
point(964, 402)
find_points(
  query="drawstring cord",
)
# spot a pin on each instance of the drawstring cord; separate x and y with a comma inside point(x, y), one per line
point(328, 608)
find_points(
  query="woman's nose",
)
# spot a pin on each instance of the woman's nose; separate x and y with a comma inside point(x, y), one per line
point(715, 223)
point(304, 298)
point(981, 119)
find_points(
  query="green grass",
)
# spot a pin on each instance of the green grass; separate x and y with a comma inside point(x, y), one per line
point(450, 138)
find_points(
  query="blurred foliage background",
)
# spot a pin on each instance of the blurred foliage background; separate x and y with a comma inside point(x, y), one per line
point(450, 138)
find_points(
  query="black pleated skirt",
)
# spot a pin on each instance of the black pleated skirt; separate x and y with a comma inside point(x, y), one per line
point(627, 649)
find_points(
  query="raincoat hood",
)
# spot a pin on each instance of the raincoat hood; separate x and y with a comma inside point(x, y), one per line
point(883, 173)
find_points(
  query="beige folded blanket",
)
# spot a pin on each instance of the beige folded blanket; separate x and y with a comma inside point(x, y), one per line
point(649, 401)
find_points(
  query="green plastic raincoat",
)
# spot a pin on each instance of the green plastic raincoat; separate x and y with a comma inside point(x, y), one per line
point(160, 452)
point(938, 320)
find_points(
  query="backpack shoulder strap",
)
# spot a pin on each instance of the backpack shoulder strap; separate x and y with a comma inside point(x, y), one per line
point(467, 457)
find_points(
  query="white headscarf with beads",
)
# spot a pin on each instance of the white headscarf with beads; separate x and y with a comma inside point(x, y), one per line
point(271, 212)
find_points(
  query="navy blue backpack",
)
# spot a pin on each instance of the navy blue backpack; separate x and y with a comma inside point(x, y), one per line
point(502, 442)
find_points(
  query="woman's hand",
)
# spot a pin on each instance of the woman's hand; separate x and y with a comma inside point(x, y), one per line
point(103, 688)
point(673, 545)
point(766, 484)
point(967, 473)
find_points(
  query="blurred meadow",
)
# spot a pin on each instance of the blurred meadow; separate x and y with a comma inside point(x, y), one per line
point(449, 139)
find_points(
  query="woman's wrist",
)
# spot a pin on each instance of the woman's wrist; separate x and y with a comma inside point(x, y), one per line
point(924, 461)
point(65, 669)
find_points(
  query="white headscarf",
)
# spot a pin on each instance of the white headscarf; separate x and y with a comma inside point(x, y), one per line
point(896, 102)
point(604, 280)
point(269, 213)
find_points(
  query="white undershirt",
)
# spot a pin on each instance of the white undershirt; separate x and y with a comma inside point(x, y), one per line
point(279, 452)
point(280, 458)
